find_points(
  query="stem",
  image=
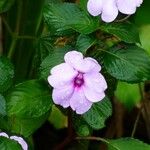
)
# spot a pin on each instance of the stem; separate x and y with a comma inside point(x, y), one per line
point(97, 139)
point(139, 113)
point(70, 135)
point(14, 40)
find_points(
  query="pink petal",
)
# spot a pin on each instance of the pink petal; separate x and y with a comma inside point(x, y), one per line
point(21, 141)
point(139, 2)
point(94, 86)
point(92, 95)
point(110, 11)
point(61, 75)
point(62, 96)
point(95, 81)
point(4, 134)
point(79, 103)
point(127, 6)
point(75, 59)
point(94, 7)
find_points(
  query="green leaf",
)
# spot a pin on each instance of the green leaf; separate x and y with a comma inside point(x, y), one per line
point(65, 18)
point(127, 144)
point(84, 42)
point(6, 74)
point(30, 99)
point(98, 114)
point(2, 106)
point(7, 144)
point(5, 5)
point(126, 32)
point(128, 63)
point(54, 58)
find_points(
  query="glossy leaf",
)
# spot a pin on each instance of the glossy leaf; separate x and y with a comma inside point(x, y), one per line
point(127, 143)
point(98, 114)
point(128, 63)
point(65, 18)
point(126, 32)
point(30, 99)
point(84, 42)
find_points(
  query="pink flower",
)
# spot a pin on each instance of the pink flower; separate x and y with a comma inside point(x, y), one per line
point(20, 140)
point(77, 82)
point(109, 9)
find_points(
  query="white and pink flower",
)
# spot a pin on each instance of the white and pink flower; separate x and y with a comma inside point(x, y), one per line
point(109, 9)
point(77, 82)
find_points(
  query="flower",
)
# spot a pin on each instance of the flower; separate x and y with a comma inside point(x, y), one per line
point(109, 9)
point(77, 82)
point(20, 140)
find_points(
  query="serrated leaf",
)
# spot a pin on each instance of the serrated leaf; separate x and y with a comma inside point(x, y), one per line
point(98, 114)
point(5, 5)
point(66, 18)
point(30, 99)
point(84, 42)
point(128, 63)
point(6, 74)
point(127, 144)
point(7, 144)
point(126, 32)
point(2, 106)
point(55, 57)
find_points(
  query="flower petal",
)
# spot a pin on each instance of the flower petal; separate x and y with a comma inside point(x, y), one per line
point(79, 103)
point(94, 86)
point(127, 6)
point(61, 75)
point(4, 134)
point(75, 59)
point(62, 96)
point(95, 81)
point(110, 11)
point(139, 2)
point(21, 141)
point(94, 7)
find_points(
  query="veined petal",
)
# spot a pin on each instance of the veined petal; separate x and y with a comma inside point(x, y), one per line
point(127, 6)
point(109, 11)
point(80, 64)
point(62, 96)
point(79, 103)
point(4, 134)
point(73, 57)
point(21, 141)
point(95, 81)
point(94, 87)
point(61, 75)
point(94, 7)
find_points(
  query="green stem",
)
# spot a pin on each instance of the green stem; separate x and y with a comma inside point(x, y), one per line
point(12, 48)
point(14, 40)
point(139, 113)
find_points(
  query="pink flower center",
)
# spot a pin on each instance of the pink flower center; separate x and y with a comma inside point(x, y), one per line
point(78, 80)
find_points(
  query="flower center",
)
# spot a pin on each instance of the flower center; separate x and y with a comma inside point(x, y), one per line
point(78, 81)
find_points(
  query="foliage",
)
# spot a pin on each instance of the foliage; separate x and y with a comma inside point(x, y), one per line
point(36, 36)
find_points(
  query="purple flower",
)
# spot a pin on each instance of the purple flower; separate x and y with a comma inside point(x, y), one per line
point(109, 9)
point(77, 82)
point(20, 140)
